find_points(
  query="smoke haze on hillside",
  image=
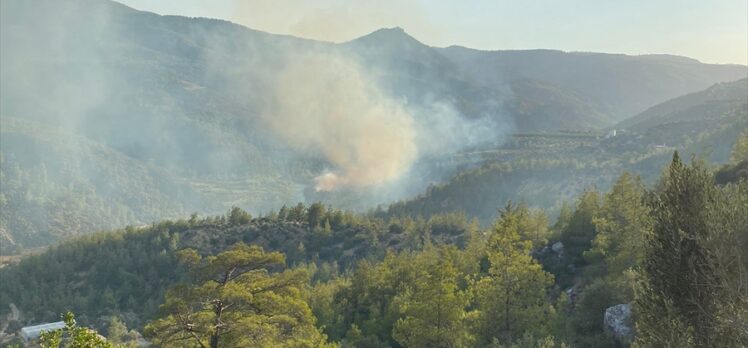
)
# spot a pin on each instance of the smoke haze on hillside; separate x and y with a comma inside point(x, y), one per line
point(313, 99)
point(325, 103)
point(138, 117)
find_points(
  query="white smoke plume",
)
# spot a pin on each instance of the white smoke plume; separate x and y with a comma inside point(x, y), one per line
point(325, 103)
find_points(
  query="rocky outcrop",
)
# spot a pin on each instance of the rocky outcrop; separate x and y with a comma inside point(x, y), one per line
point(617, 321)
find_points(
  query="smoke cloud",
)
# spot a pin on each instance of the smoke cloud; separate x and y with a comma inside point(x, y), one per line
point(208, 115)
point(325, 104)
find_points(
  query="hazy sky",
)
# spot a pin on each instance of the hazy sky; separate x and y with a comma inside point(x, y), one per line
point(713, 31)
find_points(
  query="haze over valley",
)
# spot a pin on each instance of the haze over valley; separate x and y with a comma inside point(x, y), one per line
point(212, 115)
point(378, 148)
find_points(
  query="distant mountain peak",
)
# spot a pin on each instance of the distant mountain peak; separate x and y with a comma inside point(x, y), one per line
point(394, 31)
point(394, 35)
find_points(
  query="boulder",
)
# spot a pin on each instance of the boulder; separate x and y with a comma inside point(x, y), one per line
point(617, 321)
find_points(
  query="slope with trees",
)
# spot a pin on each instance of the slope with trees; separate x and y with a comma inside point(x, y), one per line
point(544, 169)
point(419, 283)
point(178, 99)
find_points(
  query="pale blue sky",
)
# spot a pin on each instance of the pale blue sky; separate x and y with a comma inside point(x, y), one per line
point(713, 31)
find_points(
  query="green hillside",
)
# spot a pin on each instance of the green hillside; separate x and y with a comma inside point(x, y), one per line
point(50, 187)
point(365, 281)
point(545, 169)
point(134, 266)
point(703, 106)
point(172, 115)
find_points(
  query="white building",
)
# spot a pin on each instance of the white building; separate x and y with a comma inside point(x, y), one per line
point(33, 332)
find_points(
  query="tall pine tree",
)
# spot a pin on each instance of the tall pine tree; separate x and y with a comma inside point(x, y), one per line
point(675, 304)
point(434, 307)
point(237, 302)
point(512, 298)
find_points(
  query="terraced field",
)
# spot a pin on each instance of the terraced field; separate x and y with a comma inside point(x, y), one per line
point(255, 194)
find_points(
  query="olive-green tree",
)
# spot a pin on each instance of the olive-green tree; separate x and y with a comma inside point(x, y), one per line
point(621, 224)
point(237, 301)
point(433, 307)
point(511, 299)
point(675, 304)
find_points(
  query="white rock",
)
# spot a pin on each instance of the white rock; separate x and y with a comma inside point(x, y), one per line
point(617, 321)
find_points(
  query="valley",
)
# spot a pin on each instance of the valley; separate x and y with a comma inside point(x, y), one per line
point(183, 181)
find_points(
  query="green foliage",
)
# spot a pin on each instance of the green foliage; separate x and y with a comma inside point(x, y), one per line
point(511, 298)
point(580, 230)
point(617, 225)
point(692, 271)
point(586, 323)
point(236, 301)
point(365, 281)
point(676, 260)
point(737, 169)
point(328, 311)
point(479, 191)
point(621, 224)
point(135, 266)
point(118, 334)
point(315, 214)
point(57, 185)
point(728, 267)
point(433, 307)
point(530, 341)
point(532, 225)
point(370, 307)
point(740, 149)
point(237, 216)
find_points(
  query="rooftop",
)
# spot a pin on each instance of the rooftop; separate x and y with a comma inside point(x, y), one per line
point(31, 332)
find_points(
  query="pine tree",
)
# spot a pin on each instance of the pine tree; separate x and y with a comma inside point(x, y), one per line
point(237, 216)
point(579, 232)
point(434, 307)
point(237, 302)
point(621, 224)
point(512, 298)
point(315, 213)
point(674, 293)
point(116, 330)
point(728, 266)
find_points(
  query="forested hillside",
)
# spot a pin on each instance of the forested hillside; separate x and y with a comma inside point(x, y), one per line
point(134, 266)
point(367, 282)
point(544, 169)
point(703, 106)
point(46, 196)
point(199, 109)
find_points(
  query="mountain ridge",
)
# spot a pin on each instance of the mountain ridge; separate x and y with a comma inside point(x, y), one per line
point(724, 92)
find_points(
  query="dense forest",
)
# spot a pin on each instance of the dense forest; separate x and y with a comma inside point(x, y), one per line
point(671, 256)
